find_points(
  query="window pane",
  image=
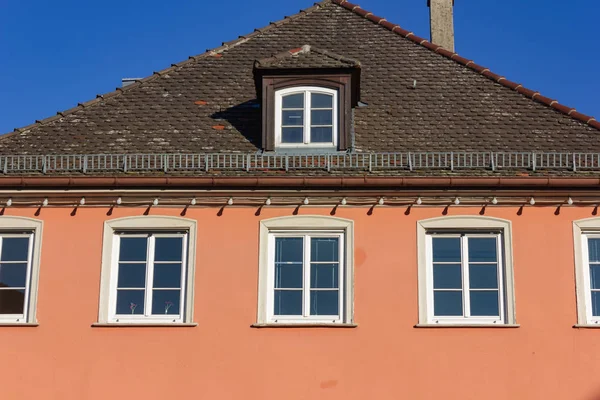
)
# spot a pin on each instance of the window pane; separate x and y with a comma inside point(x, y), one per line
point(13, 275)
point(288, 276)
point(292, 135)
point(484, 303)
point(324, 302)
point(594, 250)
point(483, 276)
point(15, 249)
point(12, 301)
point(319, 100)
point(447, 276)
point(165, 302)
point(130, 302)
point(167, 276)
point(446, 249)
point(321, 117)
point(324, 249)
point(293, 101)
point(324, 276)
point(133, 249)
point(288, 302)
point(595, 276)
point(131, 275)
point(289, 249)
point(168, 249)
point(292, 118)
point(447, 303)
point(321, 135)
point(596, 304)
point(482, 250)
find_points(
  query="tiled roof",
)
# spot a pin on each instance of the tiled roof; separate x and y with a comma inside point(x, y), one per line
point(419, 97)
point(306, 57)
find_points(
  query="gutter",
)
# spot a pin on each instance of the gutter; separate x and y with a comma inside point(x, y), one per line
point(297, 183)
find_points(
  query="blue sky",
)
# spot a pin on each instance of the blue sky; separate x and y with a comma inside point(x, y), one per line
point(54, 54)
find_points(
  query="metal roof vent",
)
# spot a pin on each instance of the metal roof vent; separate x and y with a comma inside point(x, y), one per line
point(128, 81)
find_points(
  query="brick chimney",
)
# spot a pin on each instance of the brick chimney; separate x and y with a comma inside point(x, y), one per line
point(441, 20)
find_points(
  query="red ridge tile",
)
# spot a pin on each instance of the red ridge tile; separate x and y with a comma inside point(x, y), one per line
point(374, 18)
point(444, 52)
point(562, 109)
point(509, 84)
point(543, 99)
point(388, 25)
point(491, 75)
point(581, 117)
point(594, 124)
point(460, 60)
point(526, 92)
point(430, 45)
point(476, 67)
point(400, 31)
point(360, 11)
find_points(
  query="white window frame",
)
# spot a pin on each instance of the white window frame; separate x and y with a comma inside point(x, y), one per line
point(582, 230)
point(465, 227)
point(150, 264)
point(306, 226)
point(307, 265)
point(157, 226)
point(32, 228)
point(307, 91)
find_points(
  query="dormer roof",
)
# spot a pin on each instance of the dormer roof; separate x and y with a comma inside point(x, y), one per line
point(306, 57)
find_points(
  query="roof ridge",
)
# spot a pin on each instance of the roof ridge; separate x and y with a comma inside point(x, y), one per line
point(335, 56)
point(156, 74)
point(531, 94)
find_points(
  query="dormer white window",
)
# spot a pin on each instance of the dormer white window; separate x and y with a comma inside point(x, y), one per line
point(306, 117)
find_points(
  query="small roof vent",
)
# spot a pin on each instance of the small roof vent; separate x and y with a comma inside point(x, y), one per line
point(128, 81)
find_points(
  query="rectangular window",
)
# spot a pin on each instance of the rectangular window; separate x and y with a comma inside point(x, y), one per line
point(306, 279)
point(150, 276)
point(466, 275)
point(15, 275)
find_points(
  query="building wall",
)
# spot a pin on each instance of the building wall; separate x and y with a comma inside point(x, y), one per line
point(385, 357)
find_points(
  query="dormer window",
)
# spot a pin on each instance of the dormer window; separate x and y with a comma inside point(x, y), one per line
point(307, 116)
point(307, 96)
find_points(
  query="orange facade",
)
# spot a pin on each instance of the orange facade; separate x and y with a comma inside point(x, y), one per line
point(223, 357)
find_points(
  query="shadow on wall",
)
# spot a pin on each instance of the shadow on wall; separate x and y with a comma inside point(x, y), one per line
point(245, 118)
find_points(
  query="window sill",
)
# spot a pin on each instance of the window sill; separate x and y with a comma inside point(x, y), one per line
point(303, 325)
point(486, 326)
point(18, 324)
point(312, 150)
point(143, 325)
point(587, 326)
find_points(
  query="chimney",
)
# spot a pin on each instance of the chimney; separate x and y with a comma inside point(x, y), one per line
point(441, 19)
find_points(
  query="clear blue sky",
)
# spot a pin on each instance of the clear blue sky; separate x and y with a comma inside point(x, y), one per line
point(54, 54)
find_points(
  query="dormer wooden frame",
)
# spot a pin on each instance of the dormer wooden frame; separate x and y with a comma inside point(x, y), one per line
point(343, 81)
